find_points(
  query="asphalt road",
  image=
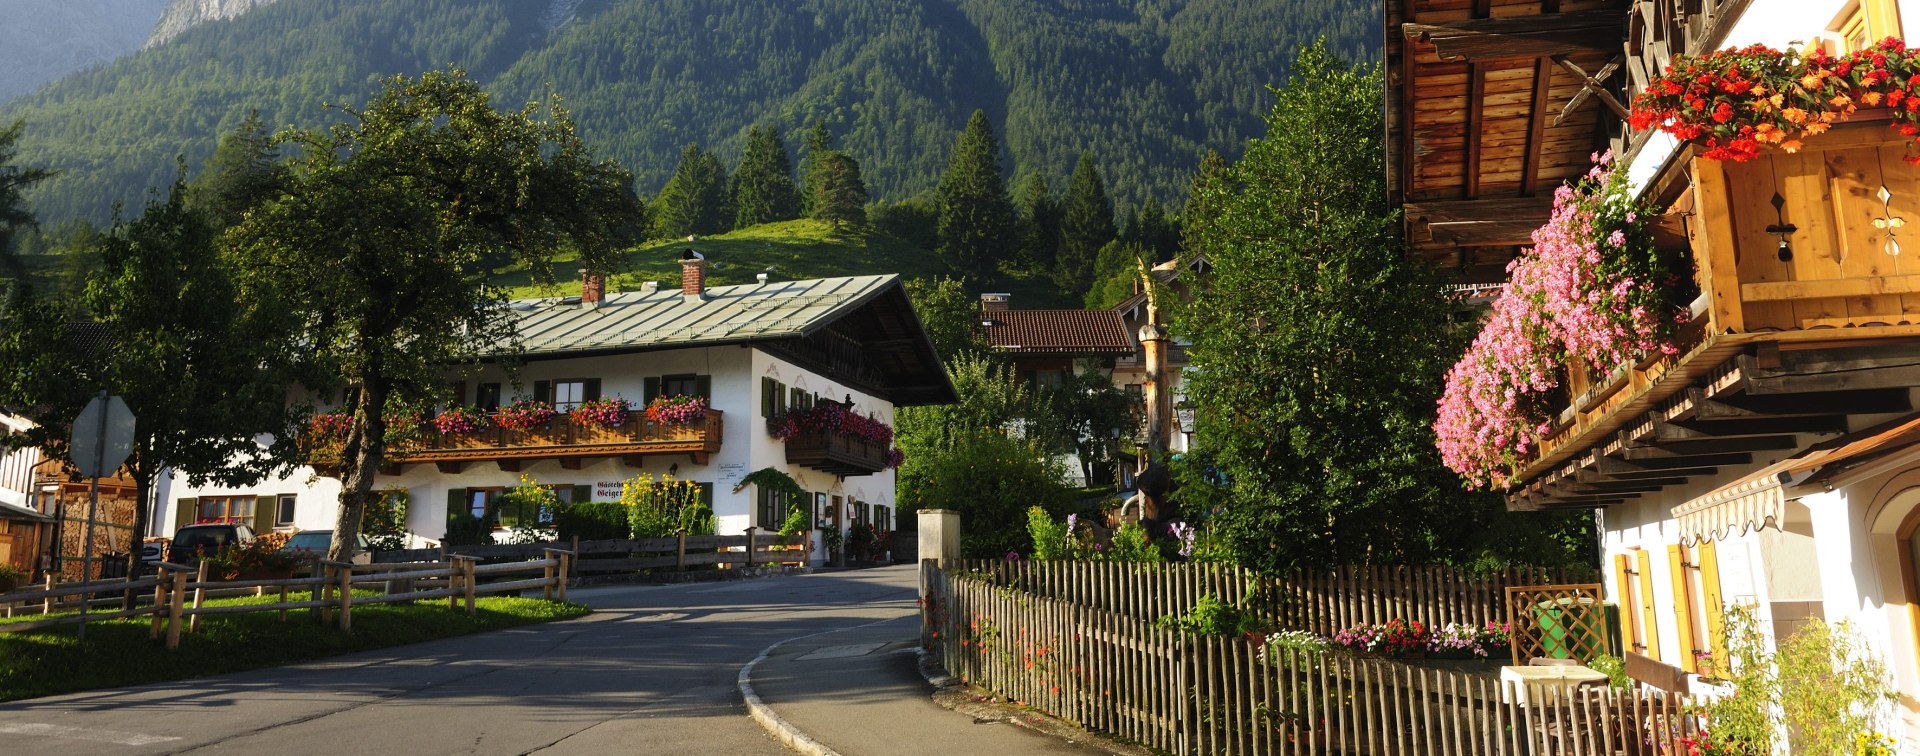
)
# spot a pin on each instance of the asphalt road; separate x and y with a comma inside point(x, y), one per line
point(652, 671)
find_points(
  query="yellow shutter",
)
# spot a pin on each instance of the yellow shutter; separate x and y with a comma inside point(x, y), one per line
point(1623, 584)
point(1649, 622)
point(1682, 607)
point(1714, 607)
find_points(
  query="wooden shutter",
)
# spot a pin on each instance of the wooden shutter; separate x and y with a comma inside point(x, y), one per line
point(1649, 622)
point(456, 503)
point(794, 398)
point(650, 389)
point(582, 494)
point(590, 389)
point(767, 394)
point(703, 386)
point(1712, 604)
point(1683, 608)
point(183, 511)
point(264, 509)
point(1623, 589)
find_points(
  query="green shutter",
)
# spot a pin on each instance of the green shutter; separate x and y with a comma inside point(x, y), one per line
point(543, 391)
point(591, 390)
point(456, 503)
point(703, 386)
point(582, 494)
point(183, 511)
point(767, 393)
point(651, 389)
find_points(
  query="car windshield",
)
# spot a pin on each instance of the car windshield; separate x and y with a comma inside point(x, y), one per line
point(209, 539)
point(309, 541)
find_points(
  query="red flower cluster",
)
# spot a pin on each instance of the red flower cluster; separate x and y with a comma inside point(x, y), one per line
point(329, 427)
point(609, 412)
point(830, 417)
point(460, 420)
point(1735, 101)
point(523, 414)
point(677, 410)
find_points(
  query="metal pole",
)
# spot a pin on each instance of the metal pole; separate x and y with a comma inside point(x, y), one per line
point(93, 501)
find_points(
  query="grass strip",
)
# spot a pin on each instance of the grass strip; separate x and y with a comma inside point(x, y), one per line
point(118, 653)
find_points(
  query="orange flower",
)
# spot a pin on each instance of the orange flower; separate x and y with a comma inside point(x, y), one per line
point(1777, 99)
point(1811, 81)
point(1791, 145)
point(1794, 115)
point(1840, 101)
point(1817, 128)
point(1870, 98)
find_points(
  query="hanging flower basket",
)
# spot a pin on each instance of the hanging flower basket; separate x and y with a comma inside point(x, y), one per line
point(523, 414)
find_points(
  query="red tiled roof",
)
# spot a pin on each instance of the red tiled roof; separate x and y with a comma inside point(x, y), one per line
point(1088, 332)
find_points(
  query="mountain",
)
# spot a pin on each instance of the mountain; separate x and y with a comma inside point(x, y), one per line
point(182, 15)
point(43, 40)
point(1146, 85)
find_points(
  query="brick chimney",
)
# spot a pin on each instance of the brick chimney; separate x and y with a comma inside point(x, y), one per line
point(593, 288)
point(995, 302)
point(693, 275)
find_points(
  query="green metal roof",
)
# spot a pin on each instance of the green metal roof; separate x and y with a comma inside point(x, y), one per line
point(668, 319)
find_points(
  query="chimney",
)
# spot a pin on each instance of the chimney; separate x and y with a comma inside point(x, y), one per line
point(995, 302)
point(593, 289)
point(693, 275)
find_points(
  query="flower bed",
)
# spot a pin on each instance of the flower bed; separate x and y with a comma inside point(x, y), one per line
point(1592, 291)
point(1461, 640)
point(1393, 638)
point(523, 414)
point(677, 410)
point(610, 412)
point(1736, 101)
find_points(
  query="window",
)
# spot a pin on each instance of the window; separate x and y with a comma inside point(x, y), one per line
point(883, 517)
point(680, 385)
point(225, 509)
point(283, 511)
point(567, 394)
point(1861, 23)
point(773, 508)
point(481, 501)
point(489, 396)
point(773, 396)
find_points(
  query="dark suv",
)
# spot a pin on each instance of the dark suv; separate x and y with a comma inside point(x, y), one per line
point(205, 539)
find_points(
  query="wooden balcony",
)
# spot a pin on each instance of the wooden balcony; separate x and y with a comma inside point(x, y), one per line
point(1778, 348)
point(837, 453)
point(568, 441)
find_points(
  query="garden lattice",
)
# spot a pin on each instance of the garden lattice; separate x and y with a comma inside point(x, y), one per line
point(1558, 621)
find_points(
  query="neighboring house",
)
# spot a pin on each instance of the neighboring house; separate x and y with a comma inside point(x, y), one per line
point(1774, 462)
point(43, 511)
point(753, 351)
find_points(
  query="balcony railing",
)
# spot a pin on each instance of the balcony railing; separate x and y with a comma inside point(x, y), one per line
point(559, 438)
point(837, 453)
point(1762, 359)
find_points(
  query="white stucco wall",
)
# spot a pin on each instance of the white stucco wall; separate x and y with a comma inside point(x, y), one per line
point(745, 446)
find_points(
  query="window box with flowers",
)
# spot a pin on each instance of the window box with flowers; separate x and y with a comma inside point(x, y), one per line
point(833, 438)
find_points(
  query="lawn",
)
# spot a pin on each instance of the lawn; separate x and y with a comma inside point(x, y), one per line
point(117, 652)
point(786, 251)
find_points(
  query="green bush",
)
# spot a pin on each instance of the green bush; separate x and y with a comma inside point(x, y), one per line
point(1211, 616)
point(1131, 544)
point(592, 521)
point(992, 481)
point(1051, 541)
point(384, 522)
point(464, 529)
point(1823, 682)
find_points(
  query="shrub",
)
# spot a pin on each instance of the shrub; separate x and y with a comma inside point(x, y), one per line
point(592, 521)
point(991, 480)
point(1131, 544)
point(1051, 539)
point(797, 521)
point(464, 529)
point(663, 507)
point(260, 556)
point(1614, 668)
point(384, 522)
point(527, 510)
point(1211, 616)
point(1823, 682)
point(11, 576)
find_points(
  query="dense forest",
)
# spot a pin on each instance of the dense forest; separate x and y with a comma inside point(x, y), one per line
point(1143, 86)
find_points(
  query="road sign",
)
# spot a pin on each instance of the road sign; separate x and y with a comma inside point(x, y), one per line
point(102, 437)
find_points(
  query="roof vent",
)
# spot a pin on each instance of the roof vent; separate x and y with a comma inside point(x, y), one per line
point(649, 287)
point(761, 277)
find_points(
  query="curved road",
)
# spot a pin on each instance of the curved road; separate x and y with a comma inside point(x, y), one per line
point(651, 671)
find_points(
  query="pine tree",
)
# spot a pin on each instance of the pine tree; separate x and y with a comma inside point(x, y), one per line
point(976, 217)
point(1039, 223)
point(1210, 187)
point(1086, 225)
point(762, 187)
point(842, 198)
point(14, 213)
point(1150, 228)
point(243, 171)
point(694, 201)
point(817, 143)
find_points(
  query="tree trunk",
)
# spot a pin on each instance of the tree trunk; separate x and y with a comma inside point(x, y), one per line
point(365, 450)
point(142, 491)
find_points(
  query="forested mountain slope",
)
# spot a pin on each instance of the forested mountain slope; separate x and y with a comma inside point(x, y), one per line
point(1146, 85)
point(43, 40)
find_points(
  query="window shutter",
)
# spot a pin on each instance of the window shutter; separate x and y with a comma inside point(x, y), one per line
point(1623, 589)
point(543, 391)
point(456, 503)
point(183, 510)
point(767, 392)
point(1649, 622)
point(264, 508)
point(795, 398)
point(582, 494)
point(1683, 609)
point(703, 386)
point(590, 389)
point(651, 389)
point(1711, 603)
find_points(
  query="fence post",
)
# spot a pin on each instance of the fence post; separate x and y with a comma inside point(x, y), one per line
point(750, 531)
point(453, 581)
point(680, 560)
point(199, 595)
point(346, 596)
point(175, 603)
point(570, 565)
point(325, 589)
point(317, 592)
point(466, 581)
point(546, 573)
point(939, 548)
point(46, 605)
point(566, 568)
point(159, 602)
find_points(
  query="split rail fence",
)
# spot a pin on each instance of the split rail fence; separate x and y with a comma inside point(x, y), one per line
point(1079, 641)
point(176, 598)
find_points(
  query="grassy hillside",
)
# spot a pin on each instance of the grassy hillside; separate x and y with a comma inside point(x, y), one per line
point(1145, 85)
point(786, 251)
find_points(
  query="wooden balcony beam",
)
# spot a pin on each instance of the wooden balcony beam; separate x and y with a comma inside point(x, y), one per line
point(1718, 446)
point(1754, 406)
point(1668, 465)
point(1531, 36)
point(1703, 430)
point(450, 466)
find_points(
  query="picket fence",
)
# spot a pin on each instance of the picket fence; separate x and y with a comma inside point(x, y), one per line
point(1114, 670)
point(180, 592)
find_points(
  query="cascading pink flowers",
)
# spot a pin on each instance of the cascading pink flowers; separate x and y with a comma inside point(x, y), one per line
point(1592, 290)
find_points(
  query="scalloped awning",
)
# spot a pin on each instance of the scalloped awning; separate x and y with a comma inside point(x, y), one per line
point(1760, 499)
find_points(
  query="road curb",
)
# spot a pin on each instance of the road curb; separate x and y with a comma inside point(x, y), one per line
point(951, 694)
point(775, 725)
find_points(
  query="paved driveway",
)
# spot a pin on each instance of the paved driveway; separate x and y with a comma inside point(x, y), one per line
point(651, 671)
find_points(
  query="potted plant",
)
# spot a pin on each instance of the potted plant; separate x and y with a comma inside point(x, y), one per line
point(607, 412)
point(523, 414)
point(11, 577)
point(677, 410)
point(460, 420)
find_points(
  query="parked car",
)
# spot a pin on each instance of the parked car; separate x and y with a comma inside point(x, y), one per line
point(207, 538)
point(313, 544)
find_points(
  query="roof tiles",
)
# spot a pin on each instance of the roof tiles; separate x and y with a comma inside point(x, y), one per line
point(1076, 332)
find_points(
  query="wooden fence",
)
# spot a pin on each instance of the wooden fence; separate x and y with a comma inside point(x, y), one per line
point(1322, 603)
point(180, 592)
point(678, 553)
point(1118, 673)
